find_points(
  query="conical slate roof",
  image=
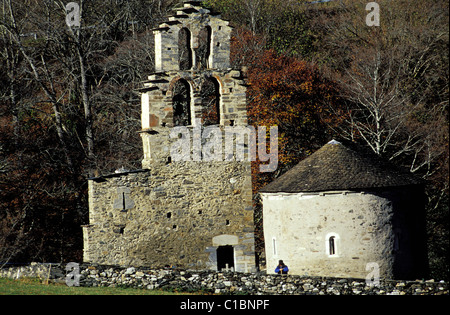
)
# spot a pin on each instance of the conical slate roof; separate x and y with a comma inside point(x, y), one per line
point(338, 167)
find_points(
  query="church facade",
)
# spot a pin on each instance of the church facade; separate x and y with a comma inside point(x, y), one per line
point(191, 213)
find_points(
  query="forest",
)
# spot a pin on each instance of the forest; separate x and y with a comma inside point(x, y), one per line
point(70, 105)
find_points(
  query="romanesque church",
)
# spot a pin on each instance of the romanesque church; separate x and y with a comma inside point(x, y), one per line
point(331, 215)
point(192, 214)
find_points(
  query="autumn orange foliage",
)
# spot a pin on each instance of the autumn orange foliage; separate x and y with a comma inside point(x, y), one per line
point(289, 93)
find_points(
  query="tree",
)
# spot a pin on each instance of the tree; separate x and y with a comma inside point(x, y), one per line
point(44, 114)
point(394, 81)
point(288, 93)
point(393, 77)
point(283, 24)
point(16, 28)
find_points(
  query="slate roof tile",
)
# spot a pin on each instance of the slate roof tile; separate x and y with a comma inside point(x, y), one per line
point(336, 166)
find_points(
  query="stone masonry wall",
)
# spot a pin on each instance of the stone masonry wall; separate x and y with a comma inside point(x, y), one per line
point(193, 17)
point(190, 213)
point(157, 97)
point(175, 214)
point(366, 226)
point(229, 283)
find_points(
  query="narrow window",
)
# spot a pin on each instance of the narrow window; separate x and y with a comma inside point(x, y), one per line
point(332, 248)
point(181, 103)
point(203, 51)
point(184, 49)
point(210, 96)
point(397, 238)
point(274, 244)
point(332, 244)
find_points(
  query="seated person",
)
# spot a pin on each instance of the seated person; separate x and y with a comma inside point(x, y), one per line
point(281, 268)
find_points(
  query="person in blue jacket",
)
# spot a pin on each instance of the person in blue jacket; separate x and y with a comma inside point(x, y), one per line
point(281, 268)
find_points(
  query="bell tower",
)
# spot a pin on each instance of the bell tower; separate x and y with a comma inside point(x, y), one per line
point(193, 84)
point(198, 212)
point(193, 213)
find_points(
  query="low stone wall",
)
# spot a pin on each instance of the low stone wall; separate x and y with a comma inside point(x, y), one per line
point(231, 283)
point(34, 270)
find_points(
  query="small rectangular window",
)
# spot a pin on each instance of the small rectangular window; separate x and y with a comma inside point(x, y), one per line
point(274, 244)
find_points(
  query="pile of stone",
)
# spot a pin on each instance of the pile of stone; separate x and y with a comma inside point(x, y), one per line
point(257, 283)
point(224, 282)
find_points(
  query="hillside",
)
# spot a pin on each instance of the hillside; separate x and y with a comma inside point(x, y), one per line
point(70, 109)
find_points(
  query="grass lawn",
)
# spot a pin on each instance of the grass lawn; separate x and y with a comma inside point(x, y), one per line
point(32, 286)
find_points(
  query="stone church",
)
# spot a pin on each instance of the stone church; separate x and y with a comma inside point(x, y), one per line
point(342, 211)
point(192, 214)
point(328, 216)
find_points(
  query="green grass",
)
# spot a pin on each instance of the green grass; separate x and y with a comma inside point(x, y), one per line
point(32, 286)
